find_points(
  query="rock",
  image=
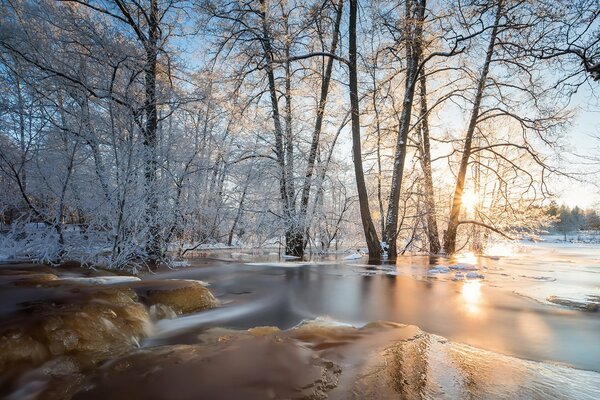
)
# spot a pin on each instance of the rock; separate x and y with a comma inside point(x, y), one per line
point(442, 269)
point(64, 319)
point(474, 275)
point(590, 306)
point(464, 267)
point(182, 296)
point(459, 276)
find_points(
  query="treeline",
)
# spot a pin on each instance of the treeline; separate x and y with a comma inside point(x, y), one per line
point(129, 129)
point(571, 220)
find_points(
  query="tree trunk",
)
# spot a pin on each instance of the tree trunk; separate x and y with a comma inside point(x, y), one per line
point(154, 247)
point(451, 231)
point(363, 198)
point(280, 150)
point(314, 147)
point(425, 149)
point(413, 34)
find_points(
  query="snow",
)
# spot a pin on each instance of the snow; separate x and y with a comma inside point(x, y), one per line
point(102, 280)
point(464, 267)
point(459, 276)
point(179, 263)
point(278, 264)
point(439, 269)
point(474, 275)
point(353, 256)
point(203, 283)
point(287, 257)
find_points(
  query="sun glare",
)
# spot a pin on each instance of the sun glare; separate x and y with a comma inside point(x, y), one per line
point(469, 200)
point(467, 258)
point(471, 294)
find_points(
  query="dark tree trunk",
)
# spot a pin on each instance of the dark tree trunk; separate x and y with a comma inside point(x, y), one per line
point(154, 247)
point(281, 150)
point(413, 34)
point(363, 198)
point(425, 149)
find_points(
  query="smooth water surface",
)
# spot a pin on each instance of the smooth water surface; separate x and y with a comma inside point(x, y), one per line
point(505, 312)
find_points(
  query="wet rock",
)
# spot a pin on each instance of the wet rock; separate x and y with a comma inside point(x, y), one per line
point(249, 365)
point(591, 305)
point(56, 379)
point(58, 319)
point(18, 348)
point(182, 296)
point(474, 275)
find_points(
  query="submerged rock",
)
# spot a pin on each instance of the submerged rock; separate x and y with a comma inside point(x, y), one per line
point(181, 296)
point(55, 318)
point(319, 360)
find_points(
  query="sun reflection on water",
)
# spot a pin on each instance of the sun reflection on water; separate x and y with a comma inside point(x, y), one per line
point(467, 258)
point(500, 250)
point(471, 294)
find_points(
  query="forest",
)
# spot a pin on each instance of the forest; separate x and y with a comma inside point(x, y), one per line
point(132, 131)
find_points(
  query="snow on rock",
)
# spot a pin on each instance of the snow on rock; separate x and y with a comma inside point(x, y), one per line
point(278, 264)
point(459, 276)
point(464, 267)
point(203, 283)
point(439, 269)
point(290, 257)
point(474, 275)
point(102, 280)
point(353, 256)
point(179, 263)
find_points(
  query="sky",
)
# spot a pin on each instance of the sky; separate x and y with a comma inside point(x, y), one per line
point(583, 139)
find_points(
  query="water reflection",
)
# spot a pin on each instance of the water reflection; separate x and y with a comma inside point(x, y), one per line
point(471, 293)
point(473, 312)
point(466, 258)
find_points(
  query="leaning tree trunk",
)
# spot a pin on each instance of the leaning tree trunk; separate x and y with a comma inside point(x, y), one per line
point(314, 147)
point(425, 149)
point(413, 55)
point(450, 235)
point(363, 198)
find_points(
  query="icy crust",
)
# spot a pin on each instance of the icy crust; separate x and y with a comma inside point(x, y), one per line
point(318, 359)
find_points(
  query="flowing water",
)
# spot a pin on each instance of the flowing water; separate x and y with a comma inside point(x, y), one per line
point(507, 312)
point(519, 323)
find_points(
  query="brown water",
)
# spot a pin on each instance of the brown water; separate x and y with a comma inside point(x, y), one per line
point(499, 313)
point(528, 329)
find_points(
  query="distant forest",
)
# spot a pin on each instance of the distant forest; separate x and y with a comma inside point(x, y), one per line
point(568, 220)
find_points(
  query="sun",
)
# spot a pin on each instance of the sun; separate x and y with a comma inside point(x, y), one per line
point(469, 200)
